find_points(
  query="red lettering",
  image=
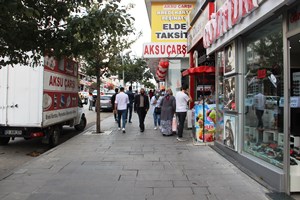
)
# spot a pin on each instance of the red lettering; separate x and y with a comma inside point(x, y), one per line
point(295, 17)
point(56, 81)
point(227, 16)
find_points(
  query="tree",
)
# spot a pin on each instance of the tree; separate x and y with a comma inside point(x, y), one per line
point(100, 35)
point(35, 27)
point(148, 84)
point(136, 70)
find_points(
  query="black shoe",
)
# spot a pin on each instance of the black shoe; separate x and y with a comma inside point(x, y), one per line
point(142, 130)
point(130, 121)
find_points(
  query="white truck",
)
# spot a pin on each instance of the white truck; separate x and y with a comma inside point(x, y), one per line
point(37, 101)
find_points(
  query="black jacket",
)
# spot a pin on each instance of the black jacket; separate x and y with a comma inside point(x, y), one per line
point(130, 96)
point(137, 102)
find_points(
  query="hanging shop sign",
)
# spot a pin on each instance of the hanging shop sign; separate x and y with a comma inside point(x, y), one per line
point(195, 34)
point(226, 18)
point(170, 21)
point(294, 18)
point(165, 50)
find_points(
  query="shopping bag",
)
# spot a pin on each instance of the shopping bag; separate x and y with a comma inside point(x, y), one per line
point(174, 124)
point(157, 110)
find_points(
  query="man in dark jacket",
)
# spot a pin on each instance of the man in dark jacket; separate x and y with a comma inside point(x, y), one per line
point(130, 105)
point(113, 98)
point(141, 107)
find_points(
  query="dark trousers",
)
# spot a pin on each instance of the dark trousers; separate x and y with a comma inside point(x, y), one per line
point(259, 114)
point(129, 111)
point(115, 113)
point(181, 118)
point(142, 114)
point(122, 113)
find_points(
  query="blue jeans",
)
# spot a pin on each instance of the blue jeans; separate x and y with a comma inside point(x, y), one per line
point(156, 118)
point(122, 113)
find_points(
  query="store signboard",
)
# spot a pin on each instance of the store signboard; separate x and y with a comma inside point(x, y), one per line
point(195, 34)
point(165, 50)
point(230, 133)
point(169, 21)
point(229, 14)
point(294, 18)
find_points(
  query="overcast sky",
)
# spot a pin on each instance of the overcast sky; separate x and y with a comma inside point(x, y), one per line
point(139, 12)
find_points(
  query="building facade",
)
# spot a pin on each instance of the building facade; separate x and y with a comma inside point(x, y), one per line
point(166, 54)
point(255, 46)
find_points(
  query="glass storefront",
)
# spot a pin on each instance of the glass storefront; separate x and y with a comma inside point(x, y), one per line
point(220, 96)
point(263, 80)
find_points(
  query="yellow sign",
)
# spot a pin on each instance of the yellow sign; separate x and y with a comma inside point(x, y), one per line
point(168, 21)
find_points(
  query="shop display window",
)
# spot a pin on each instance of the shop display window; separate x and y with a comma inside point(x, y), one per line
point(220, 59)
point(263, 124)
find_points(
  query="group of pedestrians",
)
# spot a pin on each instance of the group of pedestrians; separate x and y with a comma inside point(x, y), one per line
point(167, 107)
point(122, 104)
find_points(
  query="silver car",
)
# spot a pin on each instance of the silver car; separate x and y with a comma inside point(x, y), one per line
point(105, 102)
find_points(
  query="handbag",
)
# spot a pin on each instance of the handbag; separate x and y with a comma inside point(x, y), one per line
point(157, 110)
point(174, 124)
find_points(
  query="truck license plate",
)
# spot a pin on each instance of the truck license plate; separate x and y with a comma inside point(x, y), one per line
point(13, 132)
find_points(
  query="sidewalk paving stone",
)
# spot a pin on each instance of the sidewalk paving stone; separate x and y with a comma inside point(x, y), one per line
point(133, 166)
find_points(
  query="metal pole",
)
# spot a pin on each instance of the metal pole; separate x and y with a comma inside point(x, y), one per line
point(122, 69)
point(203, 109)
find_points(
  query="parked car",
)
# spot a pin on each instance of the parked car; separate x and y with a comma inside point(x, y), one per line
point(105, 103)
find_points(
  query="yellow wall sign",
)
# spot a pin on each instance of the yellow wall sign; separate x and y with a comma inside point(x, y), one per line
point(168, 23)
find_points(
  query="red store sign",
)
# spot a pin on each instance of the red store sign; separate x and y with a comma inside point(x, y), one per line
point(167, 49)
point(226, 17)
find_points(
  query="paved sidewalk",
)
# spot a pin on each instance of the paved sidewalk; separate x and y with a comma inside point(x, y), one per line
point(131, 166)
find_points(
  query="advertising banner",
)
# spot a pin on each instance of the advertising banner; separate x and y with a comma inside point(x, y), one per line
point(207, 121)
point(230, 136)
point(60, 97)
point(169, 21)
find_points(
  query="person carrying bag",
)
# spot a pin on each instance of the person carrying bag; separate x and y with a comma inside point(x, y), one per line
point(155, 102)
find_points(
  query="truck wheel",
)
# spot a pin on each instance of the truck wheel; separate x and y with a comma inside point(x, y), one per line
point(4, 140)
point(54, 136)
point(81, 126)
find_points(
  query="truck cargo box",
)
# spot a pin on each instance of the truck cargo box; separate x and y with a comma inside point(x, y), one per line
point(39, 96)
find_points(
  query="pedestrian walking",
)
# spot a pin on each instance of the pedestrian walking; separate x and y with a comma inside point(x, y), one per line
point(182, 98)
point(130, 105)
point(91, 101)
point(156, 109)
point(168, 107)
point(150, 94)
point(141, 107)
point(113, 99)
point(121, 107)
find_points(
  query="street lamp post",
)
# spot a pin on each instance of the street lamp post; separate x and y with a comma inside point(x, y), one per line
point(123, 74)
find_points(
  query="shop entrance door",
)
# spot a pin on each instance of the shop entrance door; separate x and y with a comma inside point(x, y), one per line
point(294, 112)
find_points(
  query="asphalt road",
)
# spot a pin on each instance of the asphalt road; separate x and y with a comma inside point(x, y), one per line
point(19, 151)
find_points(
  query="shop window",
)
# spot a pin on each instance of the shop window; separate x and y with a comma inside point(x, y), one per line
point(220, 61)
point(263, 127)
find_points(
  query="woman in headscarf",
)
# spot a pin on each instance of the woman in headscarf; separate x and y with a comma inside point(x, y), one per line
point(168, 107)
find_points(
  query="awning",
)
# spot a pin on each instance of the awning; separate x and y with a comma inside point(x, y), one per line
point(199, 70)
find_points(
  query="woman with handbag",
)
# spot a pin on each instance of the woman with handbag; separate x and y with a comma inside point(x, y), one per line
point(155, 103)
point(168, 107)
